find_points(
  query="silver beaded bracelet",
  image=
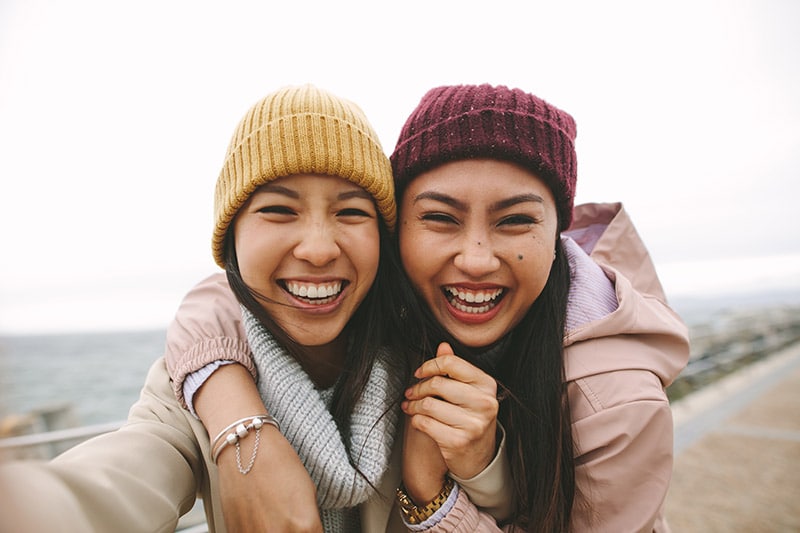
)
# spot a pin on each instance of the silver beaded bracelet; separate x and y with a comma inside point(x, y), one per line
point(241, 428)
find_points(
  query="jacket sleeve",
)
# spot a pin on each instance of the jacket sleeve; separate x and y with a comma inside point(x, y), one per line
point(623, 462)
point(142, 477)
point(624, 452)
point(206, 328)
point(464, 517)
point(492, 489)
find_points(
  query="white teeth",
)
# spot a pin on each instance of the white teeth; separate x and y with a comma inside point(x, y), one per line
point(461, 297)
point(472, 310)
point(314, 291)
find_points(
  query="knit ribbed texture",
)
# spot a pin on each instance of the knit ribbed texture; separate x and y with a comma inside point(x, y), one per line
point(474, 121)
point(591, 294)
point(303, 414)
point(300, 130)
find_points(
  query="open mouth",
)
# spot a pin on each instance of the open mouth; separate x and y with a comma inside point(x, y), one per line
point(314, 293)
point(471, 300)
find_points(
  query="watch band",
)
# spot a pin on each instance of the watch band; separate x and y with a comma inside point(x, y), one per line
point(413, 514)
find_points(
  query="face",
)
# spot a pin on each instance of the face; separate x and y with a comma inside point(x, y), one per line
point(477, 240)
point(309, 245)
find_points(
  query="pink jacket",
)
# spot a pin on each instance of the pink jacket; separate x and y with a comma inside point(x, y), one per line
point(617, 368)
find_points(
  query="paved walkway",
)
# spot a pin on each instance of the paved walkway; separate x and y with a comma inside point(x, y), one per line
point(737, 445)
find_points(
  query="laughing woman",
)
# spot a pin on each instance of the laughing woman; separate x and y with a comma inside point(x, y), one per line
point(561, 306)
point(303, 209)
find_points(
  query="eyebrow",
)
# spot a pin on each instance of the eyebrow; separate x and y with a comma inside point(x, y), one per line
point(461, 206)
point(355, 193)
point(514, 200)
point(443, 198)
point(278, 189)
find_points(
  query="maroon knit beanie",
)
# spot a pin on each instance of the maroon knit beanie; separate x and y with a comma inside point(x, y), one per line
point(474, 121)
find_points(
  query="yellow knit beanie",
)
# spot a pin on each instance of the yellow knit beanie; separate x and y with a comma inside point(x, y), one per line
point(300, 130)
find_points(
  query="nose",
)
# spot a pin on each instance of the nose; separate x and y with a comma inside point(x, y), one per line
point(318, 245)
point(476, 257)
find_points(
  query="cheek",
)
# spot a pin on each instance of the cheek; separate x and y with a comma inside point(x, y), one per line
point(532, 261)
point(410, 255)
point(364, 250)
point(255, 255)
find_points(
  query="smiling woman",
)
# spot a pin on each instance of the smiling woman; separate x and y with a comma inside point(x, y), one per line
point(304, 207)
point(472, 278)
point(311, 253)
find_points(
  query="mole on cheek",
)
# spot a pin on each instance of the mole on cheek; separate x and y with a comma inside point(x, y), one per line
point(519, 257)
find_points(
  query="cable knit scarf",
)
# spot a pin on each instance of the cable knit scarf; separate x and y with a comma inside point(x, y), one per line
point(303, 414)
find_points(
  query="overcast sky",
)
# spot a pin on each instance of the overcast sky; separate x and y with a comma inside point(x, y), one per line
point(115, 117)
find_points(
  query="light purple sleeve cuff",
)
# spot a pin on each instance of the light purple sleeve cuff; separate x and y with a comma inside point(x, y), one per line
point(195, 380)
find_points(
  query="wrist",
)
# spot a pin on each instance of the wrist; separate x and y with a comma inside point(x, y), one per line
point(415, 513)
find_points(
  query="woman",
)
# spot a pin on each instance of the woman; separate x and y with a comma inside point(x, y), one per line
point(577, 338)
point(303, 209)
point(485, 178)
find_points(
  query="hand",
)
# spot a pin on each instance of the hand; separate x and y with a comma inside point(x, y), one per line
point(276, 495)
point(455, 404)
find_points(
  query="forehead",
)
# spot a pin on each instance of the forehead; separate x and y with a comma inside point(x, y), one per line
point(312, 183)
point(478, 180)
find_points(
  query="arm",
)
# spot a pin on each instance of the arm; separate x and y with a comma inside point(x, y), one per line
point(278, 492)
point(624, 454)
point(139, 478)
point(208, 328)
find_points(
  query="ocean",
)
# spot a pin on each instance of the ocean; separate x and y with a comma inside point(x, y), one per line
point(96, 376)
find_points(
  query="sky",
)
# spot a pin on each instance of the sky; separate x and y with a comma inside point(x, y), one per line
point(115, 117)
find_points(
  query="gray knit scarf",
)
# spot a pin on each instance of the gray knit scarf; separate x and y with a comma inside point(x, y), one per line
point(303, 414)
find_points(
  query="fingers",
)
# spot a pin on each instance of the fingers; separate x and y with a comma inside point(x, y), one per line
point(474, 414)
point(452, 366)
point(466, 449)
point(480, 397)
point(455, 404)
point(444, 349)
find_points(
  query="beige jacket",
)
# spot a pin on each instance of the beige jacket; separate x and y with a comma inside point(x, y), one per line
point(141, 478)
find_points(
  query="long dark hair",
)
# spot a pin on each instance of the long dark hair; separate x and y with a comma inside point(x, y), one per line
point(529, 369)
point(536, 412)
point(367, 332)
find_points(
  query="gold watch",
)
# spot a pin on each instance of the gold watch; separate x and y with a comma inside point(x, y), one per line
point(416, 515)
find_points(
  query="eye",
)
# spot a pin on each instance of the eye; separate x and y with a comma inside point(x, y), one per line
point(277, 210)
point(443, 218)
point(353, 212)
point(517, 220)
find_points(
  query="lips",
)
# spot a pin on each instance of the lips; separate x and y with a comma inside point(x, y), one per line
point(473, 301)
point(314, 293)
